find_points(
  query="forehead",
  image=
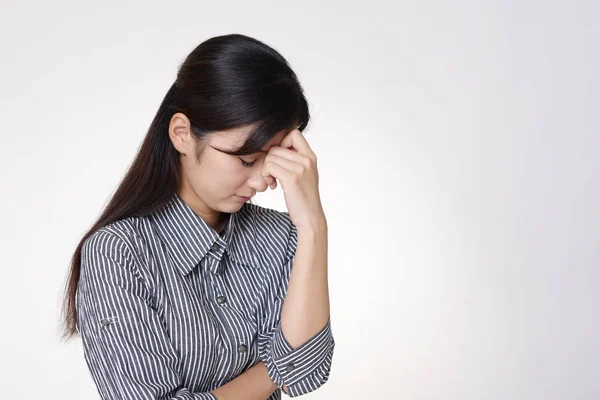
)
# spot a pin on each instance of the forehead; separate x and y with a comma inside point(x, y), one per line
point(232, 139)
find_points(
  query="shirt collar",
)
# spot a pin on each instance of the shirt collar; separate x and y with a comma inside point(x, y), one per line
point(189, 238)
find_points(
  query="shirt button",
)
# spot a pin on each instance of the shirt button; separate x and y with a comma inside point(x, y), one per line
point(242, 348)
point(291, 367)
point(215, 247)
point(221, 299)
point(105, 321)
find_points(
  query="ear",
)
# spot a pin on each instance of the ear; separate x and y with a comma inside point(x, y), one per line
point(180, 134)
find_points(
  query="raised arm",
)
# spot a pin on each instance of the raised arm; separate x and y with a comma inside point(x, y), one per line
point(296, 342)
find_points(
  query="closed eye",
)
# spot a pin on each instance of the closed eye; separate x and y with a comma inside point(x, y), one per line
point(247, 164)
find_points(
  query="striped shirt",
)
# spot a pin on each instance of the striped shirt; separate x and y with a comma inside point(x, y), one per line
point(168, 308)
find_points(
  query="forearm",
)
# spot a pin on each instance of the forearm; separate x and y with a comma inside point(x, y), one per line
point(306, 306)
point(252, 384)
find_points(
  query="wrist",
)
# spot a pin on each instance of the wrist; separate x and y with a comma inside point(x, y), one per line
point(316, 226)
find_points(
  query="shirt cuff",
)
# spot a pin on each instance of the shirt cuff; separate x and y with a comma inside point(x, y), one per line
point(306, 368)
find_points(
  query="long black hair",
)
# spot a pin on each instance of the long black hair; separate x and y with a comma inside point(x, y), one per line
point(226, 82)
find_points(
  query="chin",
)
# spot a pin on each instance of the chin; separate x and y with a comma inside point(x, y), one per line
point(231, 206)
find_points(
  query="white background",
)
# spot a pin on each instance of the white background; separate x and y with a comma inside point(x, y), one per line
point(458, 146)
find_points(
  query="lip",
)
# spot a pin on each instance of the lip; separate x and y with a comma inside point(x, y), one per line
point(242, 198)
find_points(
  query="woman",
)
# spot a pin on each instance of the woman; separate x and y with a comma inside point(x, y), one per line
point(184, 290)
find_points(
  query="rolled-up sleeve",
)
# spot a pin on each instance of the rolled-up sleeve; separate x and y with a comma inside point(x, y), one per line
point(305, 368)
point(125, 343)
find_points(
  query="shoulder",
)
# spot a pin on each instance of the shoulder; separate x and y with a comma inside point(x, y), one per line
point(110, 266)
point(265, 214)
point(115, 245)
point(271, 220)
point(120, 235)
point(275, 231)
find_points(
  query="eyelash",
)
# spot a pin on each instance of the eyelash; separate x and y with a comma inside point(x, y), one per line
point(246, 164)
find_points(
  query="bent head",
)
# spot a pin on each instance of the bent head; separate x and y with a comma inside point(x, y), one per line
point(211, 177)
point(233, 99)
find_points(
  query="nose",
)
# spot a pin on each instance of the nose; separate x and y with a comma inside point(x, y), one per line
point(257, 182)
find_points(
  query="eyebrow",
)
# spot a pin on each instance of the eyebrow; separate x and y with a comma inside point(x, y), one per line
point(258, 151)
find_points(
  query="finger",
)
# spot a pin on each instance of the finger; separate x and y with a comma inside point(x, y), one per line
point(288, 139)
point(297, 141)
point(271, 182)
point(276, 170)
point(285, 163)
point(270, 179)
point(288, 154)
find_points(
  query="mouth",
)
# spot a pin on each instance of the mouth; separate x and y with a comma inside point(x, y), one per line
point(242, 198)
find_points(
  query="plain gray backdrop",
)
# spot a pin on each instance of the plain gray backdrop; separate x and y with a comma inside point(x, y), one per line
point(458, 151)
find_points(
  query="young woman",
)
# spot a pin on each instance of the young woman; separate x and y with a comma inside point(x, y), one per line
point(185, 290)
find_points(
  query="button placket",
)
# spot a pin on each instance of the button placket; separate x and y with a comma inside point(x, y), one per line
point(221, 308)
point(228, 317)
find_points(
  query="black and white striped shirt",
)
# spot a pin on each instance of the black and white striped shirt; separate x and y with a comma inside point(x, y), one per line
point(167, 308)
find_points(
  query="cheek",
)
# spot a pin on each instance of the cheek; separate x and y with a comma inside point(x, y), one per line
point(223, 175)
point(238, 177)
point(230, 177)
